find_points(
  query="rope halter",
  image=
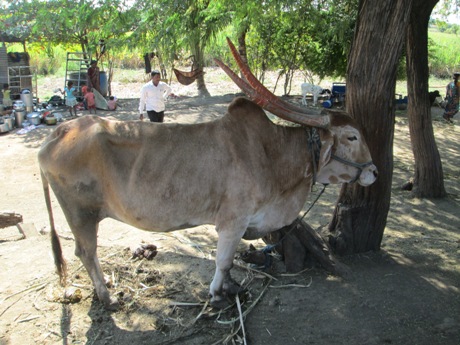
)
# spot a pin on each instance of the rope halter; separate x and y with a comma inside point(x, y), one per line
point(314, 145)
point(359, 166)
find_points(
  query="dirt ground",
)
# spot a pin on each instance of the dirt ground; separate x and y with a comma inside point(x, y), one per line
point(408, 293)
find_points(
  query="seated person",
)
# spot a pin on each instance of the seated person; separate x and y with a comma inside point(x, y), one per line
point(112, 103)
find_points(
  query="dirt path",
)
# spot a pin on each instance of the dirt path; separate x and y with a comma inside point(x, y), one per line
point(406, 294)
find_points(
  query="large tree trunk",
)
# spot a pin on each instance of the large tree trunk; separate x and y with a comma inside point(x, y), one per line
point(428, 179)
point(201, 86)
point(199, 63)
point(360, 215)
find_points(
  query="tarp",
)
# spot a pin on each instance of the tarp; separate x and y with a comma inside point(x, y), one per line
point(101, 102)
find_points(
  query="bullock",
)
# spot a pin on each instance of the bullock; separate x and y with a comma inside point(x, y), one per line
point(433, 95)
point(241, 172)
point(315, 90)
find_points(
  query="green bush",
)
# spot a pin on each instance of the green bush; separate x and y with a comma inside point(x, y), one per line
point(444, 53)
point(128, 59)
point(48, 59)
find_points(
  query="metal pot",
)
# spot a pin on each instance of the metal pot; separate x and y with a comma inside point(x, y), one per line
point(18, 105)
point(19, 117)
point(34, 118)
point(9, 120)
point(50, 120)
point(27, 98)
point(4, 128)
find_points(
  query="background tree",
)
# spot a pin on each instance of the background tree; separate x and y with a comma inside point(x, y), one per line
point(329, 38)
point(428, 174)
point(360, 215)
point(83, 23)
point(313, 37)
point(174, 27)
point(448, 7)
point(16, 20)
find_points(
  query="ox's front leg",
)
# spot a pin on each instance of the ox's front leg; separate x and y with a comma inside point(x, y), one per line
point(223, 284)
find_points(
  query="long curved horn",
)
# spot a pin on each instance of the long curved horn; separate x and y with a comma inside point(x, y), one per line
point(278, 108)
point(266, 99)
point(255, 83)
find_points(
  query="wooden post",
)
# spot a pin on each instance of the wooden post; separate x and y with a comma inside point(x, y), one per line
point(296, 243)
point(9, 219)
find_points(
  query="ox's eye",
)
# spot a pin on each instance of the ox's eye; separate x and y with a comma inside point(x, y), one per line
point(353, 138)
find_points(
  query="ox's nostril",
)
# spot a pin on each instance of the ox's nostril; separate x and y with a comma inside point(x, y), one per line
point(376, 173)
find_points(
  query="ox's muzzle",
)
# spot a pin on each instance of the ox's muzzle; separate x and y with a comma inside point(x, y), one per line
point(366, 181)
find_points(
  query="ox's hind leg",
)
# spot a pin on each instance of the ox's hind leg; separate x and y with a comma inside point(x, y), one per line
point(223, 283)
point(85, 232)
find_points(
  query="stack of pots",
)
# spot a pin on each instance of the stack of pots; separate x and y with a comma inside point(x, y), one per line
point(32, 117)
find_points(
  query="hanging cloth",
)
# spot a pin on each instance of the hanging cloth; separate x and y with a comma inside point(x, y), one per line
point(186, 78)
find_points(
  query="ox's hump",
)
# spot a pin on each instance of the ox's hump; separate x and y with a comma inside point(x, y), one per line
point(242, 109)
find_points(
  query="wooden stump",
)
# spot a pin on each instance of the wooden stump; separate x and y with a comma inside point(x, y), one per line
point(9, 219)
point(297, 243)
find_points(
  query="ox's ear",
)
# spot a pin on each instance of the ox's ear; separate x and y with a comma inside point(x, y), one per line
point(327, 142)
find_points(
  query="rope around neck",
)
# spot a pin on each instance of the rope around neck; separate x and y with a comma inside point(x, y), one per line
point(269, 248)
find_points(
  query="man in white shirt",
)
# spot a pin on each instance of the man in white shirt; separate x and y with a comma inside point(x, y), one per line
point(153, 97)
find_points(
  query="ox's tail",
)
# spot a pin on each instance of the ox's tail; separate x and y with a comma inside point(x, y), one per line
point(59, 261)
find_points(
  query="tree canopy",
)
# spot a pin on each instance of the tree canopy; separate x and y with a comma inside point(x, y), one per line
point(311, 36)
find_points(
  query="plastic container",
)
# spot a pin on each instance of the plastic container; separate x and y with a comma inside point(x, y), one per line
point(103, 83)
point(327, 104)
point(77, 77)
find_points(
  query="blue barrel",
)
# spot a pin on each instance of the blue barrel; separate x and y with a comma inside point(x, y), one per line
point(103, 83)
point(327, 104)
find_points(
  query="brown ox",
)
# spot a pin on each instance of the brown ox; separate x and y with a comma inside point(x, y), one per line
point(241, 172)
